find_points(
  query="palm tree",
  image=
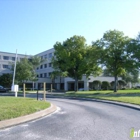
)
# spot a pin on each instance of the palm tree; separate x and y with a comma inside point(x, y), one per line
point(56, 73)
point(53, 75)
point(62, 74)
point(35, 62)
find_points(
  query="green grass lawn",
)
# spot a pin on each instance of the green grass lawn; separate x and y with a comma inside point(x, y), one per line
point(11, 107)
point(127, 96)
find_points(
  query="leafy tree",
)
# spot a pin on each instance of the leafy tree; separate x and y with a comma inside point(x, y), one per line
point(115, 57)
point(36, 61)
point(133, 51)
point(121, 83)
point(6, 80)
point(73, 56)
point(106, 72)
point(24, 70)
point(132, 76)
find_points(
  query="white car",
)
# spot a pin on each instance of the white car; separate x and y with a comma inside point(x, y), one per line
point(81, 89)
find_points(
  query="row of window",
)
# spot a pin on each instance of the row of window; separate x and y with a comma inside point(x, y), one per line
point(4, 66)
point(44, 66)
point(10, 58)
point(13, 58)
point(44, 75)
point(41, 66)
point(7, 58)
point(47, 56)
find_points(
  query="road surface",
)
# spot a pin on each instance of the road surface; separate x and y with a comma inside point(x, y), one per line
point(78, 120)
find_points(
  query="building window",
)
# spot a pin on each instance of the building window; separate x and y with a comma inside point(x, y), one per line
point(41, 66)
point(50, 64)
point(50, 55)
point(6, 66)
point(37, 75)
point(6, 57)
point(42, 57)
point(37, 68)
point(21, 59)
point(41, 75)
point(45, 65)
point(45, 56)
point(45, 74)
point(13, 58)
point(49, 73)
point(30, 60)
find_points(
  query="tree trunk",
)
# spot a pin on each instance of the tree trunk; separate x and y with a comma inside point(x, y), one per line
point(116, 83)
point(76, 84)
point(33, 86)
point(60, 82)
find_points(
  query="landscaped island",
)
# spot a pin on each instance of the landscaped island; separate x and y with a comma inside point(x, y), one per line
point(11, 107)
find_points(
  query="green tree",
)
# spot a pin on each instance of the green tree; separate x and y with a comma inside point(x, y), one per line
point(24, 70)
point(132, 76)
point(53, 76)
point(35, 61)
point(115, 57)
point(121, 83)
point(106, 72)
point(60, 74)
point(73, 56)
point(134, 51)
point(6, 80)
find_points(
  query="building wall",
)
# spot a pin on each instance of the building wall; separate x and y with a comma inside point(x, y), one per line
point(7, 59)
point(45, 69)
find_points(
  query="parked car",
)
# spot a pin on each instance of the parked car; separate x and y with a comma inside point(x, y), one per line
point(2, 89)
point(81, 89)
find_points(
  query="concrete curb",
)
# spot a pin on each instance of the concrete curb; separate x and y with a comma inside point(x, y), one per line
point(128, 105)
point(23, 119)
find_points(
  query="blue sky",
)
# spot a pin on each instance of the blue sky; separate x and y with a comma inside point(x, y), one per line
point(33, 26)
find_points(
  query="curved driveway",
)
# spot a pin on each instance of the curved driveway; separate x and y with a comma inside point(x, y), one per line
point(78, 120)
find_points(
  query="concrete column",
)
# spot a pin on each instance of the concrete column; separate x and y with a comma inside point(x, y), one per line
point(24, 90)
point(65, 86)
point(36, 85)
point(86, 84)
point(44, 91)
point(130, 85)
point(58, 86)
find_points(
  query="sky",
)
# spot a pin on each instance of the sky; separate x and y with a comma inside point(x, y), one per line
point(33, 26)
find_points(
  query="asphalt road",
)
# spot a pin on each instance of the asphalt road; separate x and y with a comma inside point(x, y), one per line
point(78, 120)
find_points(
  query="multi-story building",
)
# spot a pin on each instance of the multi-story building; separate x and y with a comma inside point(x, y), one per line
point(7, 59)
point(44, 72)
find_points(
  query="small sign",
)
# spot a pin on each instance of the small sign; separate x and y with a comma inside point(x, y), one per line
point(14, 88)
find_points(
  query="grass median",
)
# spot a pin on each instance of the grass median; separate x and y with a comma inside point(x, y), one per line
point(126, 96)
point(11, 107)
